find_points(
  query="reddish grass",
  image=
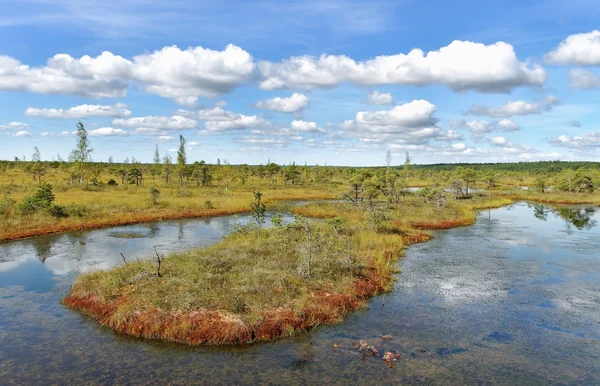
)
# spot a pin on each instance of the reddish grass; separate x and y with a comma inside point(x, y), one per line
point(217, 328)
point(444, 224)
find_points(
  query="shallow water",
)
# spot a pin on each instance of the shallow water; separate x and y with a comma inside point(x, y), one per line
point(513, 299)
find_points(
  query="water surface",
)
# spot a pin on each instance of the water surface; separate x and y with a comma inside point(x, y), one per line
point(513, 299)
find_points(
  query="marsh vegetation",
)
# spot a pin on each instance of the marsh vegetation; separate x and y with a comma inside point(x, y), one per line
point(260, 282)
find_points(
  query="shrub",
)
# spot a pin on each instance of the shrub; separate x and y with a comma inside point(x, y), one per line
point(208, 204)
point(41, 199)
point(277, 220)
point(7, 205)
point(57, 211)
point(112, 182)
point(258, 208)
point(75, 210)
point(154, 194)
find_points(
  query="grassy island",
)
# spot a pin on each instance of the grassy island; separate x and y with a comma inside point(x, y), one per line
point(262, 284)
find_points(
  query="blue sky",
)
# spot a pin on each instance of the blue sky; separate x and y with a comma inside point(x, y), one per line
point(329, 82)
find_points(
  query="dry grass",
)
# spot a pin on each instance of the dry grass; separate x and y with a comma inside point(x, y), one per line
point(120, 205)
point(555, 197)
point(246, 288)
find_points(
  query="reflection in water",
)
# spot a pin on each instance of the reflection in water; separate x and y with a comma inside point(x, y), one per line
point(580, 217)
point(509, 300)
point(541, 211)
point(43, 248)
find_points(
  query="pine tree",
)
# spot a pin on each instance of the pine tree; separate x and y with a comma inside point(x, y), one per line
point(181, 159)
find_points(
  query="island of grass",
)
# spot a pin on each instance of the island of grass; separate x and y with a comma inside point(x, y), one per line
point(262, 284)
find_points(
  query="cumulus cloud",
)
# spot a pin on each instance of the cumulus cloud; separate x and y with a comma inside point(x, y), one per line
point(585, 142)
point(175, 73)
point(380, 98)
point(523, 151)
point(578, 50)
point(218, 119)
point(583, 80)
point(153, 123)
point(480, 128)
point(418, 113)
point(462, 65)
point(240, 122)
point(306, 127)
point(410, 123)
point(22, 133)
point(14, 126)
point(293, 104)
point(169, 72)
point(519, 107)
point(107, 132)
point(100, 77)
point(118, 110)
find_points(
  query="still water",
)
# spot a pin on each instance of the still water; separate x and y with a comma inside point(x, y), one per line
point(513, 299)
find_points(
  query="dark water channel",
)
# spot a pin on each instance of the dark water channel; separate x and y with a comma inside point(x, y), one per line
point(513, 299)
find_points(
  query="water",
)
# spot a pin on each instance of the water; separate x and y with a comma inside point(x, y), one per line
point(513, 299)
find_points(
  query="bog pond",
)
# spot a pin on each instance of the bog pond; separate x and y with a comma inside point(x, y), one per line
point(513, 299)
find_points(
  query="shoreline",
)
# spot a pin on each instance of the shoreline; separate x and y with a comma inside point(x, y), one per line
point(217, 327)
point(141, 218)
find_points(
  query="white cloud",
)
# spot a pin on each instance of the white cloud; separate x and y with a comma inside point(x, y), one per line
point(293, 104)
point(507, 125)
point(61, 134)
point(583, 80)
point(175, 73)
point(94, 77)
point(462, 65)
point(151, 124)
point(107, 132)
point(170, 72)
point(585, 142)
point(306, 127)
point(218, 119)
point(480, 128)
point(240, 122)
point(410, 123)
point(118, 110)
point(165, 138)
point(519, 107)
point(578, 50)
point(380, 98)
point(262, 141)
point(22, 133)
point(418, 113)
point(14, 126)
point(499, 141)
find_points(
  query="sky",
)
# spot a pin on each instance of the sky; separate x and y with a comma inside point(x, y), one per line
point(336, 82)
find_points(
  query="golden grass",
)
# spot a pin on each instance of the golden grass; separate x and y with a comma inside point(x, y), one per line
point(245, 288)
point(555, 197)
point(122, 205)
